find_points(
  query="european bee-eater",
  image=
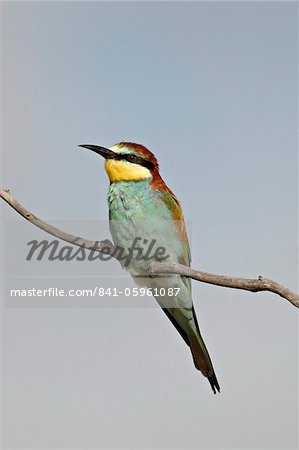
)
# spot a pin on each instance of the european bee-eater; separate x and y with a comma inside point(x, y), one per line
point(141, 204)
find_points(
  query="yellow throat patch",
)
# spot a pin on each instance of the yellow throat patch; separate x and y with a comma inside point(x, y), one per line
point(119, 170)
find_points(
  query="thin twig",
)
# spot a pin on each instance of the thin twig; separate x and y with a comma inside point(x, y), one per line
point(156, 268)
point(253, 285)
point(100, 246)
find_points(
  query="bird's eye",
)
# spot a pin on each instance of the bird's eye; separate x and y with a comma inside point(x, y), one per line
point(132, 158)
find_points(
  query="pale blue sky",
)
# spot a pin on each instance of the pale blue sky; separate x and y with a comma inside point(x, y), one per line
point(211, 89)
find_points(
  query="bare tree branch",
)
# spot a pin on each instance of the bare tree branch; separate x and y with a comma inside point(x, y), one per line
point(155, 267)
point(254, 285)
point(99, 246)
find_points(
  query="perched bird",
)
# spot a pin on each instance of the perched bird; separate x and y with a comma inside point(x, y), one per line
point(141, 205)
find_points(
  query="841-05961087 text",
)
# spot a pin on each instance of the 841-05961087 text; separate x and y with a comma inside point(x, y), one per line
point(96, 291)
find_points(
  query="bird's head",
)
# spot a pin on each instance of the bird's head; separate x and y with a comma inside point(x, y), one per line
point(127, 161)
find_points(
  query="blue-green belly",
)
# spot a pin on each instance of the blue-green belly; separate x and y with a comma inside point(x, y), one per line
point(138, 211)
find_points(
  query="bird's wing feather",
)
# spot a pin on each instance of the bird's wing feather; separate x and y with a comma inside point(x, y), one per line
point(201, 357)
point(176, 211)
point(175, 208)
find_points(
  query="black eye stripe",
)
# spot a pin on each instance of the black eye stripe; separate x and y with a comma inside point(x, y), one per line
point(137, 160)
point(148, 164)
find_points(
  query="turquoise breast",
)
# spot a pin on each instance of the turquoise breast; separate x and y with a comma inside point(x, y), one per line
point(136, 210)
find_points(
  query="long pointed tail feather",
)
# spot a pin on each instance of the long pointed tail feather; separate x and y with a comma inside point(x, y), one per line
point(201, 357)
point(214, 383)
point(202, 360)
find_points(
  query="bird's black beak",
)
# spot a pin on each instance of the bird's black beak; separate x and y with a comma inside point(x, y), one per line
point(103, 151)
